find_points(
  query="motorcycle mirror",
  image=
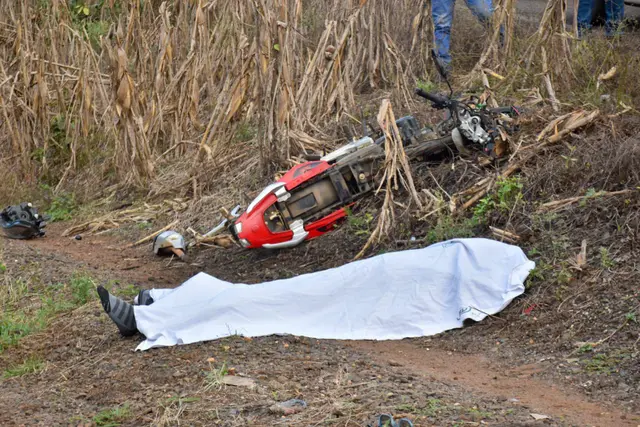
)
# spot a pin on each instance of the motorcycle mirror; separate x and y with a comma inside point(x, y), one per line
point(441, 70)
point(365, 131)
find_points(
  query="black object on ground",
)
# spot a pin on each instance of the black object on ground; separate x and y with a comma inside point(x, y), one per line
point(22, 222)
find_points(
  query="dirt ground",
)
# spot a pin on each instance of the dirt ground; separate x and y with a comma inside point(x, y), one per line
point(467, 377)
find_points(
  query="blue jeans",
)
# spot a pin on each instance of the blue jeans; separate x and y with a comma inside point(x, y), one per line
point(442, 15)
point(585, 9)
point(613, 10)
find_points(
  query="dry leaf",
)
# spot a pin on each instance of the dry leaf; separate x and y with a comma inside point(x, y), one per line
point(581, 259)
point(608, 75)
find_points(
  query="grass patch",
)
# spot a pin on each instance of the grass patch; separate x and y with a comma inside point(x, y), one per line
point(478, 415)
point(432, 408)
point(426, 85)
point(112, 417)
point(360, 224)
point(214, 376)
point(62, 208)
point(606, 261)
point(508, 193)
point(30, 366)
point(448, 228)
point(25, 311)
point(81, 289)
point(128, 291)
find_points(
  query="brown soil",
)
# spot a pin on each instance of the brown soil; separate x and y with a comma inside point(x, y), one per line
point(90, 369)
point(479, 374)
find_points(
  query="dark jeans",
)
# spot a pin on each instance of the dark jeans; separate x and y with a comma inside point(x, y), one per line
point(614, 14)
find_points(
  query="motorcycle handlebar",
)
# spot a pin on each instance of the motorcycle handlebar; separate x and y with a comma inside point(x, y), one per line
point(439, 100)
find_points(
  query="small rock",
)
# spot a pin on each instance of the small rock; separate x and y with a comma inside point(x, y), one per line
point(237, 381)
point(78, 237)
point(394, 363)
point(538, 417)
point(624, 387)
point(289, 407)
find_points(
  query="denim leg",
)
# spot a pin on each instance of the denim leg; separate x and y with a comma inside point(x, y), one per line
point(585, 9)
point(483, 10)
point(442, 15)
point(614, 12)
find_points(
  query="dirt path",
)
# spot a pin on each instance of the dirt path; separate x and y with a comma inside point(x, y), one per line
point(477, 373)
point(457, 377)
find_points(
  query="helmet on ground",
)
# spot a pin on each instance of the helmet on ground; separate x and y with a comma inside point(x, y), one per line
point(22, 222)
point(169, 242)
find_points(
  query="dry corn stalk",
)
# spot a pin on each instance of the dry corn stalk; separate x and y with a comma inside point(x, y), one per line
point(396, 171)
point(144, 213)
point(499, 46)
point(558, 205)
point(176, 80)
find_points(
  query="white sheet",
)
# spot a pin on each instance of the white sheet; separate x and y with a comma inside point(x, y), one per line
point(397, 295)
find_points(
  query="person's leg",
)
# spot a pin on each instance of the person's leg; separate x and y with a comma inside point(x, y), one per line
point(585, 10)
point(143, 298)
point(119, 311)
point(442, 15)
point(483, 10)
point(614, 12)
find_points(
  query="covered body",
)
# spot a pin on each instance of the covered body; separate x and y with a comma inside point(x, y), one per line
point(391, 296)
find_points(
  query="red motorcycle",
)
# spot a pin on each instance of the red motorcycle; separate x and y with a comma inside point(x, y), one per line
point(313, 197)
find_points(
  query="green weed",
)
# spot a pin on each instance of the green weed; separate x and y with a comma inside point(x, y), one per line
point(605, 259)
point(586, 348)
point(30, 366)
point(426, 85)
point(606, 364)
point(539, 274)
point(406, 408)
point(145, 225)
point(564, 276)
point(17, 323)
point(590, 194)
point(127, 291)
point(361, 224)
point(533, 252)
point(87, 20)
point(3, 268)
point(477, 414)
point(81, 289)
point(433, 407)
point(245, 132)
point(214, 376)
point(15, 326)
point(449, 228)
point(112, 417)
point(62, 208)
point(508, 193)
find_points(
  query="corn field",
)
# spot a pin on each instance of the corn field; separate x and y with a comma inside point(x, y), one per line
point(138, 84)
point(173, 92)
